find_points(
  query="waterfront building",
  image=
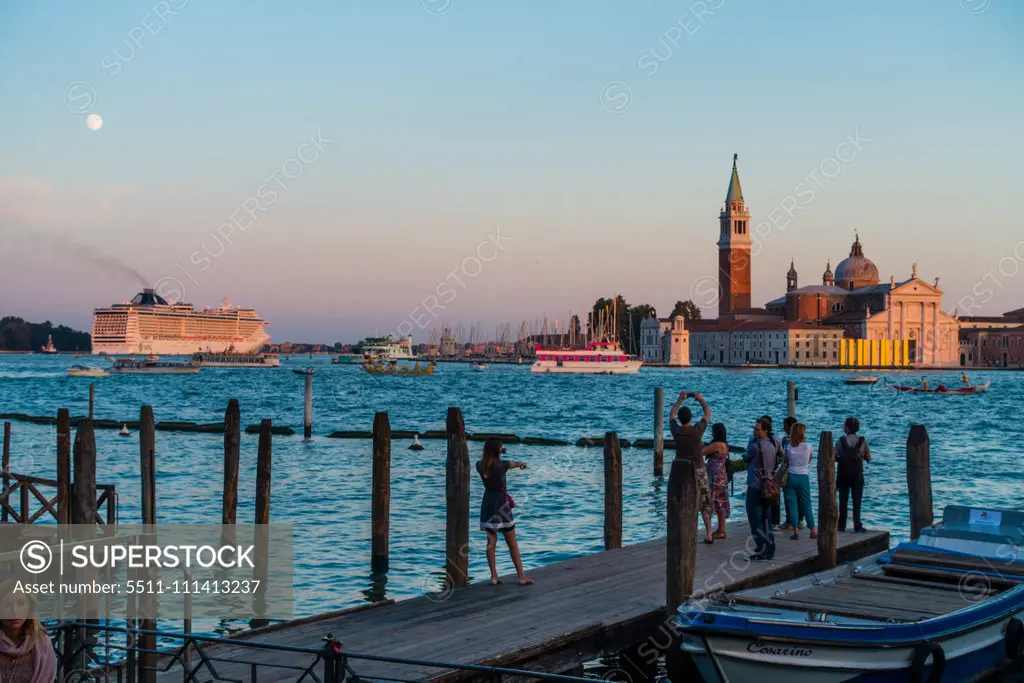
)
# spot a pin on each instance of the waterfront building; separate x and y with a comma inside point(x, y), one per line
point(885, 324)
point(665, 341)
point(993, 342)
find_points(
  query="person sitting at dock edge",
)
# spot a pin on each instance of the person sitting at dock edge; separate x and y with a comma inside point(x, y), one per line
point(761, 458)
point(496, 508)
point(851, 453)
point(689, 440)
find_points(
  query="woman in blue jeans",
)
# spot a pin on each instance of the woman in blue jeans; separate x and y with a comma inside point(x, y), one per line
point(761, 458)
point(798, 484)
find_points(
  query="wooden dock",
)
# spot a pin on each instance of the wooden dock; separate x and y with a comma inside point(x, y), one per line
point(577, 610)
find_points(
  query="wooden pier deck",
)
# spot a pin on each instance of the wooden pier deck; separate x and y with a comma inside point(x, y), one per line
point(577, 610)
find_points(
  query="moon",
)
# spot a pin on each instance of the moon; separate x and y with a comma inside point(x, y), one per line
point(93, 121)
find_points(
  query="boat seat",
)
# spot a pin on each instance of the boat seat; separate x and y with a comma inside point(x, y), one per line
point(864, 599)
point(962, 563)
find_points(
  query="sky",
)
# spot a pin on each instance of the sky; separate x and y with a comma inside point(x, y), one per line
point(345, 166)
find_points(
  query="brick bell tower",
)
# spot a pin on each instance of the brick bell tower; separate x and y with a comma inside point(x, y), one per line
point(734, 249)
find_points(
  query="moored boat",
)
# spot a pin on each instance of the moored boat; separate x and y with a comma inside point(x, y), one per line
point(304, 371)
point(129, 366)
point(861, 380)
point(86, 371)
point(598, 358)
point(231, 359)
point(477, 366)
point(946, 606)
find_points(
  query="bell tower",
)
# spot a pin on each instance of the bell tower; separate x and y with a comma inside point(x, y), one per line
point(734, 249)
point(791, 277)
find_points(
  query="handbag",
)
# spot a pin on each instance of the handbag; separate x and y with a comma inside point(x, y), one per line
point(509, 503)
point(770, 489)
point(781, 473)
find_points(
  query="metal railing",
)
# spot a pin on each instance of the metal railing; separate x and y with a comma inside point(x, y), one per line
point(90, 651)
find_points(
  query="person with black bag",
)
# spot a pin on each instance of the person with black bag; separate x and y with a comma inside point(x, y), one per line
point(763, 492)
point(851, 453)
point(496, 508)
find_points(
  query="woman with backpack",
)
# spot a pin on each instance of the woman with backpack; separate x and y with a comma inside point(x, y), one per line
point(716, 454)
point(851, 453)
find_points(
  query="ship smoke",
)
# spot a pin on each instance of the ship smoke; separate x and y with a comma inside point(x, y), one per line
point(105, 262)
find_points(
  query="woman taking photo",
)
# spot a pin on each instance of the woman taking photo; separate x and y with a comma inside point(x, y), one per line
point(26, 654)
point(798, 484)
point(717, 454)
point(496, 508)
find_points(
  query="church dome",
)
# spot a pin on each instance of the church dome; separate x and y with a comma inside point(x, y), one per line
point(856, 270)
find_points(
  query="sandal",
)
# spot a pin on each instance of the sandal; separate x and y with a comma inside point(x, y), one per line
point(495, 582)
point(525, 582)
point(795, 537)
point(719, 535)
point(709, 541)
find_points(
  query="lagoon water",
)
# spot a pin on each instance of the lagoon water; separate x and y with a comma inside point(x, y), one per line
point(323, 486)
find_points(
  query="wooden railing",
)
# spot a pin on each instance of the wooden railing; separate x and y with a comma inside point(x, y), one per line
point(26, 487)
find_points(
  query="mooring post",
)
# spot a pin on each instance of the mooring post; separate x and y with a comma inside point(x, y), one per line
point(612, 491)
point(232, 453)
point(380, 509)
point(456, 551)
point(828, 507)
point(681, 549)
point(147, 464)
point(147, 602)
point(7, 466)
point(307, 424)
point(919, 479)
point(791, 398)
point(83, 490)
point(63, 466)
point(261, 533)
point(92, 398)
point(659, 431)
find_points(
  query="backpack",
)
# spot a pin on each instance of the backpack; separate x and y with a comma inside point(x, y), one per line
point(850, 466)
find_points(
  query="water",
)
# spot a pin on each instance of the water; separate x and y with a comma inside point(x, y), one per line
point(324, 486)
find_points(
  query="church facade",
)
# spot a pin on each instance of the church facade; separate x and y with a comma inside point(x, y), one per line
point(851, 319)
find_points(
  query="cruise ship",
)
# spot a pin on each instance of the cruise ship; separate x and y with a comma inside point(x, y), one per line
point(148, 324)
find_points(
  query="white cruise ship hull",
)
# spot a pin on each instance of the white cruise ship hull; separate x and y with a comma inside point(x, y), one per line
point(174, 347)
point(630, 367)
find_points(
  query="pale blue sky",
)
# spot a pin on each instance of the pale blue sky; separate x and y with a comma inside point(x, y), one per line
point(453, 118)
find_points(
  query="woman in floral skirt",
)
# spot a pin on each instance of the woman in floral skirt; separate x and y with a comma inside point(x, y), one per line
point(717, 455)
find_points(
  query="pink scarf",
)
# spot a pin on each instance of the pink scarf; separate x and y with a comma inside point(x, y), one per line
point(44, 661)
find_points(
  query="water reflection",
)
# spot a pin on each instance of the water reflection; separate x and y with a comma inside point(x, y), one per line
point(377, 591)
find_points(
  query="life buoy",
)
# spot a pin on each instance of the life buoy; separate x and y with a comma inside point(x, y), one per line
point(922, 653)
point(1014, 639)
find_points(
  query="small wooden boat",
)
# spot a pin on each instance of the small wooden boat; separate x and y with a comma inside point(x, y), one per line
point(86, 371)
point(942, 389)
point(392, 368)
point(946, 606)
point(304, 371)
point(477, 366)
point(861, 380)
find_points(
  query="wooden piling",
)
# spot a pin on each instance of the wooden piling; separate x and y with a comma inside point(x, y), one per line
point(261, 533)
point(828, 507)
point(263, 467)
point(791, 398)
point(7, 465)
point(381, 500)
point(681, 550)
point(456, 550)
point(92, 398)
point(612, 491)
point(232, 452)
point(147, 464)
point(83, 490)
point(659, 431)
point(63, 466)
point(307, 423)
point(919, 479)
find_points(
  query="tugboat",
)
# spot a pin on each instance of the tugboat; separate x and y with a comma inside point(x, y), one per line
point(49, 348)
